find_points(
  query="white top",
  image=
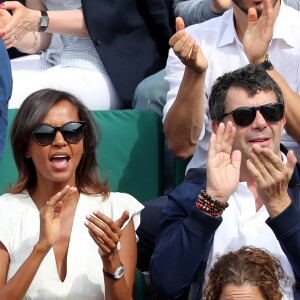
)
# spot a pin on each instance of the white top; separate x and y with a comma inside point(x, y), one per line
point(221, 46)
point(19, 232)
point(242, 226)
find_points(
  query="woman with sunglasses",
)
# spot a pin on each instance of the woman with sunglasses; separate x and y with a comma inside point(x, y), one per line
point(63, 235)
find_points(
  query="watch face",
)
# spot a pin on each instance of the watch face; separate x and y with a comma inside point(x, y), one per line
point(119, 272)
point(44, 22)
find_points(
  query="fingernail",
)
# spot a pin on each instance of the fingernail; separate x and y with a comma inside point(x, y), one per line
point(1, 5)
point(2, 34)
point(88, 217)
point(95, 212)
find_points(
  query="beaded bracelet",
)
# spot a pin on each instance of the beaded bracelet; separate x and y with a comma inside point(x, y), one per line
point(210, 205)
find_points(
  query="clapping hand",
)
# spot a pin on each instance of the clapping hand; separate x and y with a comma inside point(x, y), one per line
point(105, 232)
point(272, 177)
point(223, 164)
point(50, 218)
point(186, 48)
point(260, 30)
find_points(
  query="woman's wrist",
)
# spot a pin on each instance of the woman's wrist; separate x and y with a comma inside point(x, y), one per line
point(34, 44)
point(41, 248)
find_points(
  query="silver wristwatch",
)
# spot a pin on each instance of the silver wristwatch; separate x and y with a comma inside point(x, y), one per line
point(117, 274)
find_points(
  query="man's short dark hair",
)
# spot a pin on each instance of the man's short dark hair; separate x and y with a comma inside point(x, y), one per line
point(253, 78)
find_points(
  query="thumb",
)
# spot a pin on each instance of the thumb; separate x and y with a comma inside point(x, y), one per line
point(125, 216)
point(179, 24)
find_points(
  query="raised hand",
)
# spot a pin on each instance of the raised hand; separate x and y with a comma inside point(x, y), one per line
point(186, 48)
point(259, 32)
point(223, 164)
point(272, 177)
point(50, 218)
point(105, 232)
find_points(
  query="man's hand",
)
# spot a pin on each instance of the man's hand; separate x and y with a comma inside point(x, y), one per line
point(186, 48)
point(259, 33)
point(272, 177)
point(223, 164)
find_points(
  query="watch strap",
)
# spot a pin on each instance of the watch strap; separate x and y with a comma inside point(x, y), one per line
point(267, 65)
point(44, 21)
point(116, 275)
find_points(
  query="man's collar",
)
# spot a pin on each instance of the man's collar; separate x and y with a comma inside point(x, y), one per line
point(283, 25)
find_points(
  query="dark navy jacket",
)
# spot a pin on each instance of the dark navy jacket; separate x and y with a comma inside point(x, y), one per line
point(131, 37)
point(186, 235)
point(5, 93)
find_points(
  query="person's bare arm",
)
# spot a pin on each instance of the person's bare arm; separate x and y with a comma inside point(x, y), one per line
point(18, 285)
point(291, 101)
point(183, 123)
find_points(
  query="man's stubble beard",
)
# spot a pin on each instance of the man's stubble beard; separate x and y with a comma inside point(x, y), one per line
point(245, 10)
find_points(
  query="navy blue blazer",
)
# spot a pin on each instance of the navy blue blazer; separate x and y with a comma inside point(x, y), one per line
point(131, 38)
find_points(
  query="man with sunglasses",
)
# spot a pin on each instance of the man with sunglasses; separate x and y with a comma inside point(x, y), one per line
point(248, 195)
point(261, 32)
point(5, 93)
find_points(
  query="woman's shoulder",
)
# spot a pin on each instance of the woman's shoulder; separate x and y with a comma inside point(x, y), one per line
point(115, 201)
point(117, 197)
point(9, 199)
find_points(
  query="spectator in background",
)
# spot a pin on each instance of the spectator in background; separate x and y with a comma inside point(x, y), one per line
point(250, 273)
point(147, 97)
point(69, 59)
point(131, 38)
point(66, 236)
point(192, 12)
point(5, 93)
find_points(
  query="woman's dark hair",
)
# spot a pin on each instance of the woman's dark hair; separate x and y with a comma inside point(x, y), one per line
point(246, 266)
point(253, 78)
point(31, 113)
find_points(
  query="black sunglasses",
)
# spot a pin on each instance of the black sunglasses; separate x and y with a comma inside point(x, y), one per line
point(245, 116)
point(72, 132)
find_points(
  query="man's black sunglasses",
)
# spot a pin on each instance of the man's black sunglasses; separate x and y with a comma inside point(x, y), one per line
point(72, 132)
point(245, 116)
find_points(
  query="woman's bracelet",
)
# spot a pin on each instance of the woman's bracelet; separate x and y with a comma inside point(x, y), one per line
point(210, 205)
point(34, 44)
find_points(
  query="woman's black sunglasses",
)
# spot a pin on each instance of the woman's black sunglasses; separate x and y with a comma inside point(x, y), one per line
point(245, 116)
point(72, 132)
